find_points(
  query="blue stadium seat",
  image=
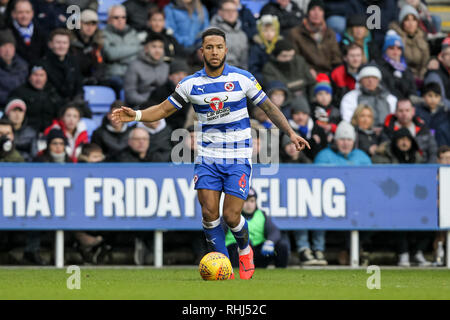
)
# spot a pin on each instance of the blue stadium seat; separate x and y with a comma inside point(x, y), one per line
point(103, 6)
point(99, 98)
point(92, 124)
point(255, 6)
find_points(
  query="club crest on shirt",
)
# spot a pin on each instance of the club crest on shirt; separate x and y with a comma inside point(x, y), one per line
point(229, 86)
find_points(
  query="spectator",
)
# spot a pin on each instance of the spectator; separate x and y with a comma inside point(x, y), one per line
point(74, 130)
point(431, 110)
point(288, 13)
point(267, 241)
point(430, 24)
point(325, 114)
point(397, 77)
point(13, 70)
point(343, 151)
point(279, 94)
point(227, 19)
point(111, 137)
point(366, 137)
point(289, 153)
point(86, 45)
point(264, 44)
point(444, 155)
point(315, 41)
point(137, 149)
point(442, 74)
point(41, 98)
point(370, 92)
point(55, 152)
point(25, 137)
point(304, 125)
point(121, 47)
point(157, 24)
point(404, 149)
point(91, 153)
point(404, 117)
point(187, 19)
point(416, 49)
point(358, 33)
point(178, 70)
point(137, 13)
point(147, 72)
point(443, 132)
point(62, 69)
point(248, 21)
point(8, 152)
point(160, 135)
point(4, 13)
point(30, 39)
point(50, 14)
point(345, 76)
point(291, 69)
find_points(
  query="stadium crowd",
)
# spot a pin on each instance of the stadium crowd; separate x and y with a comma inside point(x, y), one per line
point(358, 96)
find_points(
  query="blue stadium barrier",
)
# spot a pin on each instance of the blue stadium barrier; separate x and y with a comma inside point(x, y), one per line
point(99, 98)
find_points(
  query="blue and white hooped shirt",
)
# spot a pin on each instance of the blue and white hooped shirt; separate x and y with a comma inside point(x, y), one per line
point(221, 105)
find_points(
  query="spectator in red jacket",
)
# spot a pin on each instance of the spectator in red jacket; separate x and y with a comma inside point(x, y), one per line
point(345, 76)
point(74, 130)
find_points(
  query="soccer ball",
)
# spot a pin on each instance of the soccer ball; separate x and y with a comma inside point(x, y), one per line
point(215, 266)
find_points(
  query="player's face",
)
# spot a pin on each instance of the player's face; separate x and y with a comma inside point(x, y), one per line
point(214, 51)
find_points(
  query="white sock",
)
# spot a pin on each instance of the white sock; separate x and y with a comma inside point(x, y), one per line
point(244, 251)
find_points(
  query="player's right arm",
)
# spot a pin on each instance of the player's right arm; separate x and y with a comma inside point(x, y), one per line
point(151, 114)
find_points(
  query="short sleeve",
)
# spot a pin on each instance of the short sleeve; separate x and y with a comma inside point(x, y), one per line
point(179, 97)
point(254, 90)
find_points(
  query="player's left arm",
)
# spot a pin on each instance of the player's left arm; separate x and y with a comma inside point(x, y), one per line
point(278, 118)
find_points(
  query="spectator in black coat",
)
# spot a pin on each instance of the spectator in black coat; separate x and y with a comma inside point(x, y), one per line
point(86, 46)
point(13, 70)
point(177, 72)
point(112, 137)
point(304, 125)
point(62, 69)
point(4, 13)
point(160, 136)
point(288, 13)
point(50, 14)
point(366, 137)
point(137, 13)
point(25, 137)
point(397, 76)
point(247, 19)
point(137, 150)
point(41, 98)
point(30, 38)
point(55, 151)
point(157, 24)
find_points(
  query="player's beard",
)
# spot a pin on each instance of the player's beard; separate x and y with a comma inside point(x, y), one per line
point(214, 68)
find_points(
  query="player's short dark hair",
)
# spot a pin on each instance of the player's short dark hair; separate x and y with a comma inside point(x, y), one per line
point(213, 32)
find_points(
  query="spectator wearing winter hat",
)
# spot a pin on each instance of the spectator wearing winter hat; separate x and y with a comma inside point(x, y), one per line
point(416, 48)
point(289, 154)
point(442, 74)
point(290, 68)
point(268, 242)
point(279, 94)
point(287, 11)
point(315, 41)
point(370, 92)
point(358, 33)
point(344, 77)
point(25, 137)
point(13, 69)
point(429, 23)
point(325, 114)
point(41, 98)
point(178, 70)
point(55, 151)
point(343, 151)
point(305, 126)
point(397, 76)
point(264, 43)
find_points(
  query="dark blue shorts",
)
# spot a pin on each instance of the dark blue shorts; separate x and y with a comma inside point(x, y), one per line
point(232, 179)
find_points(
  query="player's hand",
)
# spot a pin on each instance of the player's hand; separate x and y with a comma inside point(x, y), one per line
point(268, 248)
point(299, 142)
point(124, 114)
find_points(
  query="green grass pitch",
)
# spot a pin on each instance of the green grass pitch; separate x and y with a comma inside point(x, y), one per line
point(185, 283)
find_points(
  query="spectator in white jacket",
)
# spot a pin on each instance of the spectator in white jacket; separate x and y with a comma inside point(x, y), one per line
point(369, 92)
